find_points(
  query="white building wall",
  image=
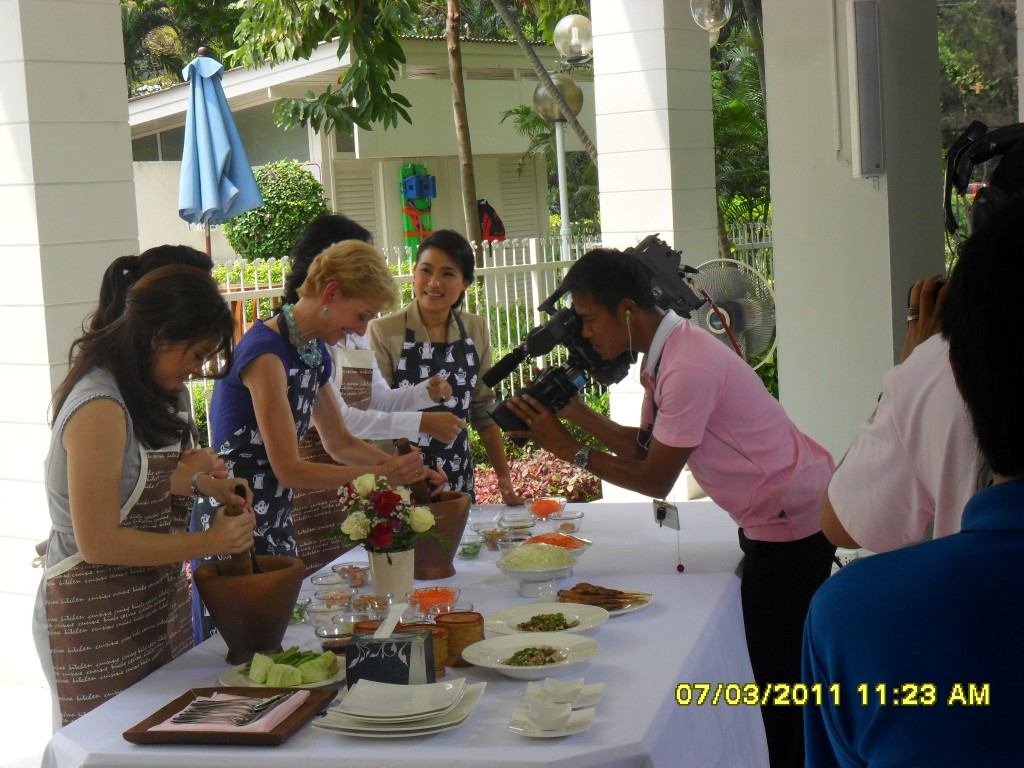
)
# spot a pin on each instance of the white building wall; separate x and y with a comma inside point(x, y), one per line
point(68, 207)
point(655, 138)
point(847, 249)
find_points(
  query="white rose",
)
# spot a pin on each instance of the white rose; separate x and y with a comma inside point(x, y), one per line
point(356, 526)
point(364, 484)
point(421, 519)
point(405, 493)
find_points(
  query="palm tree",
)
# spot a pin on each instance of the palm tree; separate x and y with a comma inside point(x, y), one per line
point(741, 135)
point(141, 23)
point(466, 171)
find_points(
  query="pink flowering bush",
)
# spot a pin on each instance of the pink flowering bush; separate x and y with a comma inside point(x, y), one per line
point(538, 473)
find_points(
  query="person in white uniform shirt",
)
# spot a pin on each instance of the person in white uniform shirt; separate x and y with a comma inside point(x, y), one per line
point(371, 409)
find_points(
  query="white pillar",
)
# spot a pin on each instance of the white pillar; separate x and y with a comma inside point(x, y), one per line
point(848, 249)
point(68, 203)
point(655, 140)
point(655, 133)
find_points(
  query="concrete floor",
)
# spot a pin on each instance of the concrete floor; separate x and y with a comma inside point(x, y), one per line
point(24, 724)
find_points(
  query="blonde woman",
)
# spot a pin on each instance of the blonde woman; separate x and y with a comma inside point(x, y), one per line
point(277, 388)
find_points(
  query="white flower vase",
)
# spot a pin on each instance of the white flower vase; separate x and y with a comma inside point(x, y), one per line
point(394, 577)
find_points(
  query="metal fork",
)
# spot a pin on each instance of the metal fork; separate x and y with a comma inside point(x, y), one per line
point(235, 711)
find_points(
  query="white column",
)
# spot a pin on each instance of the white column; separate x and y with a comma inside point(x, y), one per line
point(655, 134)
point(655, 140)
point(847, 249)
point(68, 203)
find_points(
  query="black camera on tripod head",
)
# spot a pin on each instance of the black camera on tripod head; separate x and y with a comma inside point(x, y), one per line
point(556, 386)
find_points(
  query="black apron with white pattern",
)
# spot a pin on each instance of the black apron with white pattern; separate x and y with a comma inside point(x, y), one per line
point(246, 456)
point(457, 363)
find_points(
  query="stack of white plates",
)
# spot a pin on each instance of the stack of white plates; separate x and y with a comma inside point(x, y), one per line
point(385, 711)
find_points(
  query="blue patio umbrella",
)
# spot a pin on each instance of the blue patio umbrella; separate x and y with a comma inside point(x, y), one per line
point(216, 179)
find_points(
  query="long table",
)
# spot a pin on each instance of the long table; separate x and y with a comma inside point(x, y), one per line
point(692, 632)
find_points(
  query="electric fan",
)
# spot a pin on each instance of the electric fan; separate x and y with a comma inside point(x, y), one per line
point(739, 308)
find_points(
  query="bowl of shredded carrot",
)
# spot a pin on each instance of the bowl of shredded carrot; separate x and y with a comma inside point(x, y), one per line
point(542, 506)
point(575, 545)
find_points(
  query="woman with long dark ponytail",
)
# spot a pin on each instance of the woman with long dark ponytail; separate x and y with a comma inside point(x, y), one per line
point(113, 603)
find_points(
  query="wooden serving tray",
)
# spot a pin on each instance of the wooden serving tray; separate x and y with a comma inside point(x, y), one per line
point(317, 701)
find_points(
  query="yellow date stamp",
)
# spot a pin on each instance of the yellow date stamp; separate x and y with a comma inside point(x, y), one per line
point(819, 694)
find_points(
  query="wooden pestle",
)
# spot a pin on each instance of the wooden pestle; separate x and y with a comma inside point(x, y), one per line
point(242, 563)
point(419, 491)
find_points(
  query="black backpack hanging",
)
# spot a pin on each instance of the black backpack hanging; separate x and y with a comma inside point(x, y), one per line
point(491, 225)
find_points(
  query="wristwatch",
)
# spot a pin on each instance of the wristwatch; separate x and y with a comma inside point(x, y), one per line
point(581, 457)
point(195, 482)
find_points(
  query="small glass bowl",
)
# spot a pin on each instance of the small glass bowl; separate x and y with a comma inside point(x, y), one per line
point(545, 506)
point(438, 610)
point(338, 597)
point(491, 534)
point(470, 546)
point(334, 638)
point(356, 574)
point(566, 521)
point(507, 544)
point(373, 604)
point(520, 525)
point(320, 615)
point(423, 598)
point(299, 611)
point(347, 621)
point(323, 580)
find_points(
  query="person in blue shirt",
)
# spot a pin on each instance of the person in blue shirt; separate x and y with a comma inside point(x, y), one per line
point(913, 657)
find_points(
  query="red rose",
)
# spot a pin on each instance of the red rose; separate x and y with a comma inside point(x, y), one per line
point(385, 502)
point(381, 536)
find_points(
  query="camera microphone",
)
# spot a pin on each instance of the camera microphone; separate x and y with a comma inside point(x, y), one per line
point(505, 366)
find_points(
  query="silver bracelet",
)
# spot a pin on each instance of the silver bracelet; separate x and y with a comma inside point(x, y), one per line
point(195, 482)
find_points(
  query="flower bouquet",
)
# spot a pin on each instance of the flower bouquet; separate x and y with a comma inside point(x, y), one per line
point(384, 521)
point(380, 518)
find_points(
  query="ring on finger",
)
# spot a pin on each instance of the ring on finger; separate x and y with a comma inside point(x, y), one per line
point(913, 313)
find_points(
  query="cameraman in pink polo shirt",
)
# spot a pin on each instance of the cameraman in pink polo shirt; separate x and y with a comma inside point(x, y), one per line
point(704, 406)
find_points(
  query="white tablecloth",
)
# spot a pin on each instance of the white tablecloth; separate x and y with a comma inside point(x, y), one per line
point(691, 632)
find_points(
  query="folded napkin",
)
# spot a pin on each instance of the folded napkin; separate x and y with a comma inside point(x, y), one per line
point(265, 724)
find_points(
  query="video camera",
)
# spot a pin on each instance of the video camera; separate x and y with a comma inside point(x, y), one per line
point(556, 386)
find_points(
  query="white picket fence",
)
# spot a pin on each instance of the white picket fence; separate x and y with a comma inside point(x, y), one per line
point(516, 276)
point(753, 244)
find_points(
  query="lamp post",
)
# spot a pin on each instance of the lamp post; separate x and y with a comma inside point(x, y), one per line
point(574, 40)
point(547, 108)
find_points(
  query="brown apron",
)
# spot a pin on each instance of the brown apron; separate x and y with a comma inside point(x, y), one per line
point(316, 513)
point(112, 625)
point(354, 375)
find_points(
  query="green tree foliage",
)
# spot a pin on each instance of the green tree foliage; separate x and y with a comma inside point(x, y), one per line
point(978, 59)
point(741, 131)
point(581, 173)
point(480, 20)
point(292, 198)
point(161, 37)
point(277, 31)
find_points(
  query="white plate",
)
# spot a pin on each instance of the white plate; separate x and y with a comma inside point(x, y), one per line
point(632, 606)
point(579, 721)
point(504, 622)
point(341, 723)
point(382, 700)
point(646, 599)
point(405, 718)
point(236, 678)
point(492, 652)
point(588, 696)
